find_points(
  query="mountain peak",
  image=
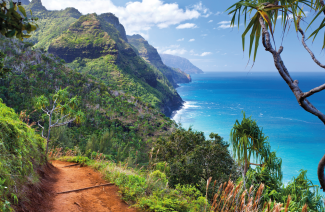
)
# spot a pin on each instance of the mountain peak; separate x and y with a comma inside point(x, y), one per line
point(136, 36)
point(112, 19)
point(36, 6)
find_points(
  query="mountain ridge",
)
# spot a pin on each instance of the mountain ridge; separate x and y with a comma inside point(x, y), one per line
point(179, 62)
point(150, 55)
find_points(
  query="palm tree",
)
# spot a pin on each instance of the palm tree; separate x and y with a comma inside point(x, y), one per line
point(248, 140)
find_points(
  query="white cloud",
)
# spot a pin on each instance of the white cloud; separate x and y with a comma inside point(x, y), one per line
point(225, 25)
point(136, 16)
point(172, 49)
point(210, 21)
point(191, 40)
point(205, 54)
point(224, 22)
point(175, 51)
point(182, 39)
point(186, 26)
point(218, 13)
point(200, 7)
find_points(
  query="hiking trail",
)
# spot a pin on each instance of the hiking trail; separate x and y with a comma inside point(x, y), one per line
point(99, 199)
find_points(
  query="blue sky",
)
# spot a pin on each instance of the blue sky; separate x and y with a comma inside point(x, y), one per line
point(199, 31)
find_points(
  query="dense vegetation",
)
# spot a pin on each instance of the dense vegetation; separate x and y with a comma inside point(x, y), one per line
point(114, 96)
point(97, 45)
point(21, 152)
point(130, 123)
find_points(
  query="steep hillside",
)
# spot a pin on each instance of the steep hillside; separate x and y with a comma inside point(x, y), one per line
point(51, 23)
point(21, 154)
point(94, 46)
point(104, 54)
point(150, 55)
point(116, 123)
point(179, 62)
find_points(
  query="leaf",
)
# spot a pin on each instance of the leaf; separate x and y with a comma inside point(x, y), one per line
point(11, 33)
point(22, 10)
point(247, 29)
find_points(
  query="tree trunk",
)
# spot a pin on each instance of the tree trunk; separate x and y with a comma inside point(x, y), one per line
point(293, 84)
point(48, 135)
point(320, 173)
point(245, 167)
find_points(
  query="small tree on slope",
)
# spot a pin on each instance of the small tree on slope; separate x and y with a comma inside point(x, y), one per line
point(248, 141)
point(59, 109)
point(263, 22)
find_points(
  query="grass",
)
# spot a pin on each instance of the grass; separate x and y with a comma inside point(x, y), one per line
point(144, 189)
point(148, 190)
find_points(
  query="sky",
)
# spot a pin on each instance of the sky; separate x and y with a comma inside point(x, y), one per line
point(200, 31)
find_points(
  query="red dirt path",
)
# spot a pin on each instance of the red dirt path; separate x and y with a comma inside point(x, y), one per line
point(100, 199)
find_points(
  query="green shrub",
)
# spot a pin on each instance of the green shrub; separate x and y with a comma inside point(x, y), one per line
point(21, 149)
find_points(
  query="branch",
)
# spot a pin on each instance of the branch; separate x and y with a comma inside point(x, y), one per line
point(322, 3)
point(313, 91)
point(46, 111)
point(61, 119)
point(300, 96)
point(63, 123)
point(42, 128)
point(54, 105)
point(308, 50)
point(255, 164)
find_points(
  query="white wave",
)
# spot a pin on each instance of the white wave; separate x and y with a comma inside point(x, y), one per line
point(190, 104)
point(291, 119)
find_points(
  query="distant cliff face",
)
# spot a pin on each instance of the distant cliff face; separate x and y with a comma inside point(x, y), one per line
point(84, 39)
point(150, 55)
point(97, 45)
point(112, 19)
point(36, 6)
point(181, 63)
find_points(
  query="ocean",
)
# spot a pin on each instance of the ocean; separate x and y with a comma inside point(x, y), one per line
point(213, 102)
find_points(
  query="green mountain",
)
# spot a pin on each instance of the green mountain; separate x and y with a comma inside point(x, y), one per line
point(120, 124)
point(181, 63)
point(97, 45)
point(150, 55)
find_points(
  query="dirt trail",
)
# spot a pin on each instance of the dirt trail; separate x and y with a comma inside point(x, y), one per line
point(104, 198)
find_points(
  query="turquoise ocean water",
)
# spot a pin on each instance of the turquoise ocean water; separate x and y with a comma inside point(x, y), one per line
point(213, 102)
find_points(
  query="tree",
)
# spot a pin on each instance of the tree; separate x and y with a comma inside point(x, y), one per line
point(263, 22)
point(59, 109)
point(248, 140)
point(14, 23)
point(193, 160)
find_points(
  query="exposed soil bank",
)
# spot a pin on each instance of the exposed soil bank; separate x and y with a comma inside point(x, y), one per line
point(38, 195)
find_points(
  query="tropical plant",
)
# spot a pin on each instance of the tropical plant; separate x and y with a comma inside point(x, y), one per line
point(263, 22)
point(192, 159)
point(59, 109)
point(14, 21)
point(248, 140)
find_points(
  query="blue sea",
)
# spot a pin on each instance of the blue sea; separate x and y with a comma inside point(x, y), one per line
point(213, 102)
